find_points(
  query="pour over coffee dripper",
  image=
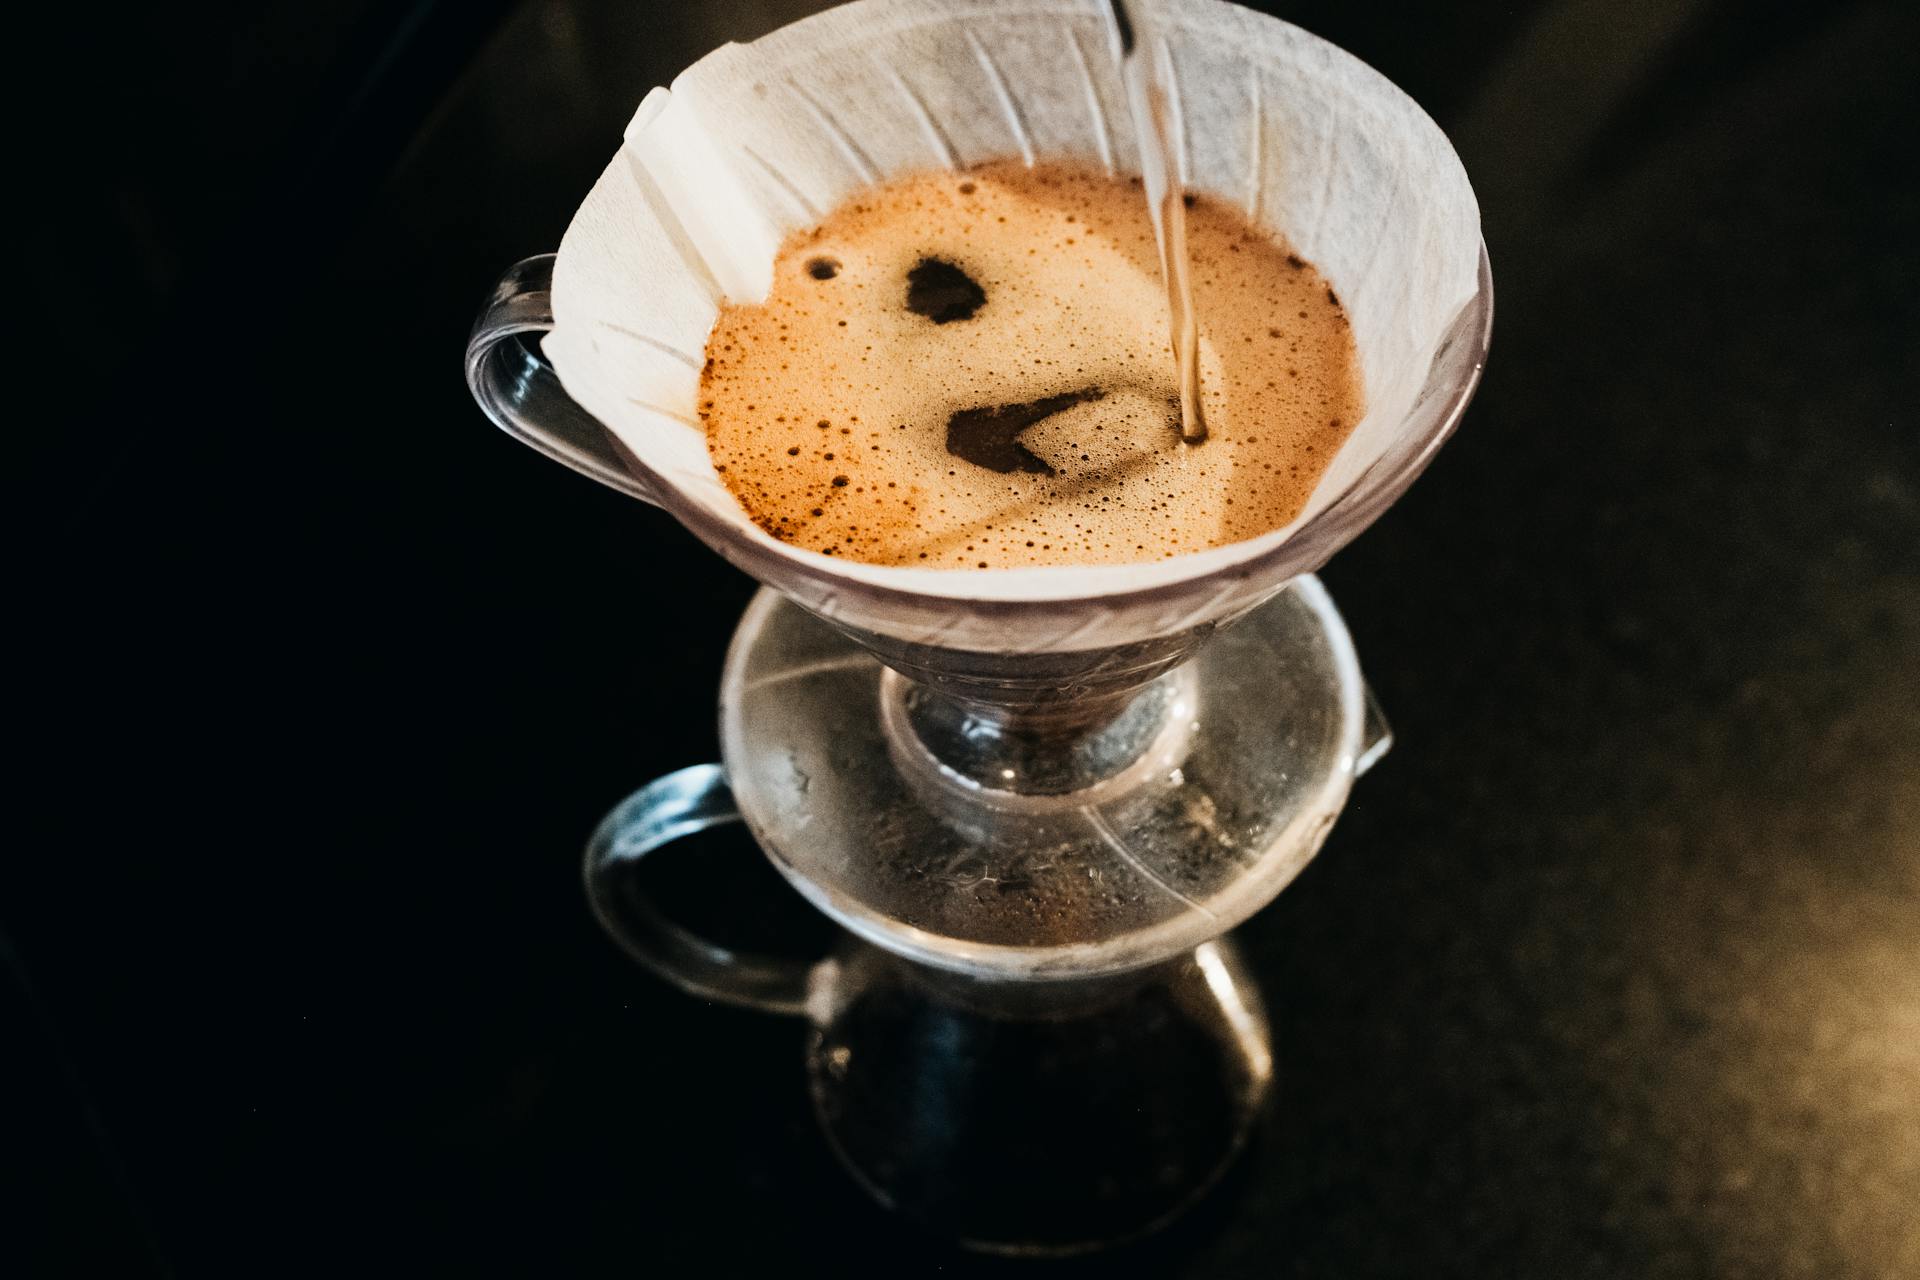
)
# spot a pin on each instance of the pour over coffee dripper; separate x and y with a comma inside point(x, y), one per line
point(1038, 812)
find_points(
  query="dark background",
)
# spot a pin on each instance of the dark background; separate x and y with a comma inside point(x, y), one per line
point(1612, 969)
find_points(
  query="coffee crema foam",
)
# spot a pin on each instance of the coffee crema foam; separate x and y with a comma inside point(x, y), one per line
point(973, 370)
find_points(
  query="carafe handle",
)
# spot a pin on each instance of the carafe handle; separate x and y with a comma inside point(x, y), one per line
point(519, 390)
point(667, 809)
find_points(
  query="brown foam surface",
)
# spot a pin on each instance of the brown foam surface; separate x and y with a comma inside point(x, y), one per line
point(973, 370)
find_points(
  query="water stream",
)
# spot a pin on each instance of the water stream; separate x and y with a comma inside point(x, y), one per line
point(1147, 73)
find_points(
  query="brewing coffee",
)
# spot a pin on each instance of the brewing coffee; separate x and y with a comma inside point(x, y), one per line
point(973, 370)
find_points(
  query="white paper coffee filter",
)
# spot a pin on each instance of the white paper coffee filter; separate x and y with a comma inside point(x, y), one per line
point(758, 140)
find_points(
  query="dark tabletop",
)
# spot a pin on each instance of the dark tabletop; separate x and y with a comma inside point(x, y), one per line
point(1611, 970)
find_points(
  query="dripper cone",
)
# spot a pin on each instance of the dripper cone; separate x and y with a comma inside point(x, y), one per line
point(758, 140)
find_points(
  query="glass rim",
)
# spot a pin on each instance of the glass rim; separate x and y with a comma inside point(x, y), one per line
point(1288, 852)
